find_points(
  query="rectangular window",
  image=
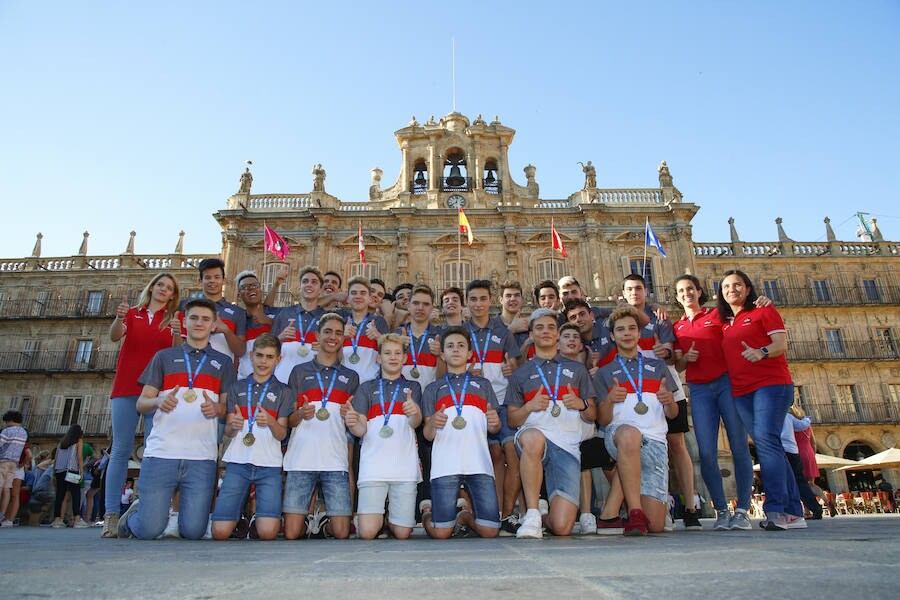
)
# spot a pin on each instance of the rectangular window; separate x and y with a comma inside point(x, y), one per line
point(848, 399)
point(194, 294)
point(893, 390)
point(548, 269)
point(770, 289)
point(820, 288)
point(638, 267)
point(715, 287)
point(94, 303)
point(71, 411)
point(83, 351)
point(29, 354)
point(40, 304)
point(270, 274)
point(368, 270)
point(834, 341)
point(884, 339)
point(871, 290)
point(457, 274)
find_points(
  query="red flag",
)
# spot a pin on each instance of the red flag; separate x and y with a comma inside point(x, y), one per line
point(276, 244)
point(557, 241)
point(362, 245)
point(464, 227)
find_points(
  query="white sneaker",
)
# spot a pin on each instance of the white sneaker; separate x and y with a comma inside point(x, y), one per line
point(543, 507)
point(5, 524)
point(794, 522)
point(531, 526)
point(80, 524)
point(171, 530)
point(586, 525)
point(670, 524)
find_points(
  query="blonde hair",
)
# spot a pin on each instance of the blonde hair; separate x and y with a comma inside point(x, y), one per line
point(388, 338)
point(796, 411)
point(171, 306)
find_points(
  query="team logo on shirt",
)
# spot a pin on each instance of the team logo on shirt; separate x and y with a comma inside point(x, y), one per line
point(230, 311)
point(474, 384)
point(708, 324)
point(271, 396)
point(650, 368)
point(216, 364)
point(746, 321)
point(343, 379)
point(650, 326)
point(178, 360)
point(495, 339)
point(568, 373)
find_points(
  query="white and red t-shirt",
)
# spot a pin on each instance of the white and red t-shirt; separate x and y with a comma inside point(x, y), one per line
point(366, 348)
point(704, 331)
point(755, 327)
point(460, 451)
point(491, 345)
point(318, 445)
point(394, 458)
point(419, 357)
point(234, 317)
point(253, 331)
point(143, 338)
point(277, 401)
point(298, 350)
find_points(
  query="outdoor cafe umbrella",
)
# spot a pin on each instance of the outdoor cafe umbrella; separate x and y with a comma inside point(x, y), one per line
point(888, 459)
point(824, 461)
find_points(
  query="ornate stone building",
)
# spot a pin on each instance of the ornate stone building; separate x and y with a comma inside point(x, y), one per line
point(840, 300)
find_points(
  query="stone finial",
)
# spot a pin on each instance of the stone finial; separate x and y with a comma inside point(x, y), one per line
point(83, 249)
point(665, 177)
point(412, 121)
point(375, 188)
point(529, 172)
point(735, 238)
point(876, 233)
point(829, 232)
point(179, 247)
point(782, 236)
point(129, 249)
point(36, 252)
point(431, 120)
point(478, 120)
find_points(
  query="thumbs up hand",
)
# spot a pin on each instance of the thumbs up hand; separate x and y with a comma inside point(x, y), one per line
point(751, 354)
point(493, 419)
point(122, 309)
point(307, 410)
point(571, 400)
point(209, 408)
point(170, 401)
point(410, 408)
point(540, 402)
point(234, 422)
point(618, 393)
point(507, 367)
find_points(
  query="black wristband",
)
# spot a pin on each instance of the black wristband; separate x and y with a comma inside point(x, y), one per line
point(585, 405)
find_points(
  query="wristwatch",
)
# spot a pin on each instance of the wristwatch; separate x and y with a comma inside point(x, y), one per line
point(765, 351)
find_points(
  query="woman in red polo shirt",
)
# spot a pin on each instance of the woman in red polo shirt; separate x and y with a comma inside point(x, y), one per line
point(147, 328)
point(755, 341)
point(698, 349)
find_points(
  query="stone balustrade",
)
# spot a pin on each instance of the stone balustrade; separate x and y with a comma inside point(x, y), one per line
point(280, 202)
point(630, 196)
point(791, 248)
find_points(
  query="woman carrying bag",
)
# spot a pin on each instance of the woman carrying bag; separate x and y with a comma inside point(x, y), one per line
point(69, 470)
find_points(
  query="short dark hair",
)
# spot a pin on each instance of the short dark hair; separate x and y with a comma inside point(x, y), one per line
point(574, 303)
point(330, 316)
point(201, 302)
point(547, 283)
point(423, 289)
point(634, 277)
point(403, 286)
point(336, 274)
point(569, 326)
point(12, 415)
point(724, 307)
point(211, 263)
point(693, 279)
point(478, 284)
point(510, 284)
point(375, 280)
point(267, 340)
point(454, 290)
point(456, 330)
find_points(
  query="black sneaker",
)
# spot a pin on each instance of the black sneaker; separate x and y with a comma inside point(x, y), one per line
point(509, 525)
point(691, 519)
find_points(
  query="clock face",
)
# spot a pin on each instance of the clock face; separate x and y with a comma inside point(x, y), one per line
point(456, 201)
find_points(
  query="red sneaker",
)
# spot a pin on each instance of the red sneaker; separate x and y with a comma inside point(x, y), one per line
point(637, 523)
point(610, 526)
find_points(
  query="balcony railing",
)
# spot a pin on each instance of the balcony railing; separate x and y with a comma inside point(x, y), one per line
point(35, 307)
point(57, 423)
point(827, 413)
point(57, 361)
point(833, 295)
point(801, 350)
point(493, 186)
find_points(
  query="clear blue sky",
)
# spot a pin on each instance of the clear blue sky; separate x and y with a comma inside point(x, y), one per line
point(127, 115)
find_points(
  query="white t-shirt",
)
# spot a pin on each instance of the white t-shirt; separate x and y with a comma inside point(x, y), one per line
point(394, 458)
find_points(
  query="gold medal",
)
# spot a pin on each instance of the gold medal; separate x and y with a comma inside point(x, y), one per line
point(641, 408)
point(249, 438)
point(189, 395)
point(386, 432)
point(303, 350)
point(459, 422)
point(414, 372)
point(556, 410)
point(354, 358)
point(322, 414)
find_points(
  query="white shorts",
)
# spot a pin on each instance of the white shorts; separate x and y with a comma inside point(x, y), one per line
point(401, 498)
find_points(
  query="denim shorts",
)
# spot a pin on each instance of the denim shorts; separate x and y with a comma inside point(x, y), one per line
point(562, 471)
point(506, 433)
point(236, 487)
point(401, 498)
point(299, 486)
point(654, 464)
point(482, 492)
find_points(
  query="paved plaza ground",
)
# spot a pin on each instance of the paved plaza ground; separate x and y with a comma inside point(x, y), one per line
point(844, 557)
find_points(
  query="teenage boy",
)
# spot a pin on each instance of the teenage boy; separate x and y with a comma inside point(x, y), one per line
point(317, 450)
point(229, 330)
point(12, 443)
point(362, 330)
point(187, 387)
point(511, 308)
point(421, 337)
point(460, 410)
point(452, 305)
point(296, 325)
point(258, 408)
point(658, 339)
point(635, 398)
point(384, 414)
point(546, 295)
point(594, 333)
point(549, 397)
point(259, 316)
point(495, 357)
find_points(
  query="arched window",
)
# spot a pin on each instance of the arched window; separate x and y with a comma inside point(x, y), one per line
point(457, 273)
point(419, 183)
point(369, 270)
point(637, 265)
point(456, 177)
point(491, 182)
point(550, 269)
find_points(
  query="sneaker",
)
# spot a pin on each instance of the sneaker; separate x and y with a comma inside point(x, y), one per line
point(669, 525)
point(637, 523)
point(610, 526)
point(586, 525)
point(691, 520)
point(509, 525)
point(58, 524)
point(122, 530)
point(794, 522)
point(171, 530)
point(723, 521)
point(425, 506)
point(740, 520)
point(81, 524)
point(241, 529)
point(5, 524)
point(315, 523)
point(774, 522)
point(531, 526)
point(252, 532)
point(543, 507)
point(208, 534)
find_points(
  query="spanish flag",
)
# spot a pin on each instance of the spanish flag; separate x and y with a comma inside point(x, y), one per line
point(464, 226)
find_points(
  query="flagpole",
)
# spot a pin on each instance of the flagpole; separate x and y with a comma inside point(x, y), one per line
point(264, 258)
point(644, 263)
point(459, 250)
point(552, 252)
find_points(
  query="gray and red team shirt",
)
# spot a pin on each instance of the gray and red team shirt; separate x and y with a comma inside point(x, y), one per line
point(185, 433)
point(367, 348)
point(278, 402)
point(253, 331)
point(306, 322)
point(395, 458)
point(317, 445)
point(460, 451)
point(500, 344)
point(565, 430)
point(653, 423)
point(234, 317)
point(425, 362)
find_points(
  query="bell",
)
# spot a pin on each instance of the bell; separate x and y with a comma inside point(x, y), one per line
point(455, 172)
point(420, 178)
point(456, 178)
point(490, 179)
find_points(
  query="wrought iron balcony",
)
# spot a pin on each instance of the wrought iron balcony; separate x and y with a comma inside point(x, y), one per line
point(57, 423)
point(831, 296)
point(844, 350)
point(492, 186)
point(58, 361)
point(828, 413)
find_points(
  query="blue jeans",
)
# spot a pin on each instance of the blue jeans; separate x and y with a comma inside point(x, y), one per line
point(299, 486)
point(125, 419)
point(763, 412)
point(236, 488)
point(482, 493)
point(160, 477)
point(709, 402)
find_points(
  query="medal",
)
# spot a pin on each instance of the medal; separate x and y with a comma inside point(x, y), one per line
point(481, 353)
point(414, 353)
point(458, 422)
point(189, 396)
point(249, 439)
point(354, 358)
point(556, 410)
point(303, 350)
point(322, 414)
point(386, 432)
point(414, 372)
point(553, 391)
point(641, 408)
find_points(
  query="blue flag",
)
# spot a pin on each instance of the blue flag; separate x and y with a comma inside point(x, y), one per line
point(650, 239)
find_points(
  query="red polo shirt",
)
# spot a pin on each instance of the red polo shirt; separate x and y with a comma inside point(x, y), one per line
point(705, 332)
point(143, 339)
point(755, 327)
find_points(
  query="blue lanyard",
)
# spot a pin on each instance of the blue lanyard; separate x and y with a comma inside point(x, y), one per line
point(251, 416)
point(305, 330)
point(458, 402)
point(187, 365)
point(639, 388)
point(554, 393)
point(359, 331)
point(387, 414)
point(412, 346)
point(481, 353)
point(326, 395)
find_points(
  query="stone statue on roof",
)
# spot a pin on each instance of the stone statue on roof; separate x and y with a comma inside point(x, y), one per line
point(318, 178)
point(590, 175)
point(246, 181)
